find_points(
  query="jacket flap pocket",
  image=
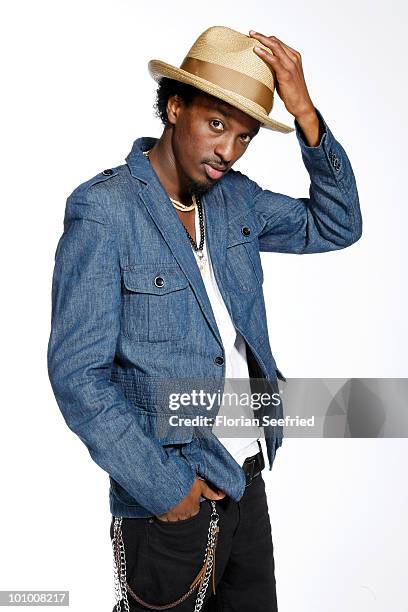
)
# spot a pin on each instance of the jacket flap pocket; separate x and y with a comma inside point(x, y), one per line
point(242, 229)
point(165, 428)
point(154, 278)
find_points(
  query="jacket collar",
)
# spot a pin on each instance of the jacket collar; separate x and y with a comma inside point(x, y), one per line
point(167, 220)
point(139, 166)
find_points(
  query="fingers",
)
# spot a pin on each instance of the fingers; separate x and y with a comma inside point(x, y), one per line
point(268, 40)
point(171, 517)
point(292, 53)
point(179, 514)
point(209, 493)
point(284, 53)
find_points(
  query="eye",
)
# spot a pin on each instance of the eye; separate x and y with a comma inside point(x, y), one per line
point(248, 138)
point(217, 124)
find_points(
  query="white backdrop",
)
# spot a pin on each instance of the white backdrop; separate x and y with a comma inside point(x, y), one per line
point(76, 93)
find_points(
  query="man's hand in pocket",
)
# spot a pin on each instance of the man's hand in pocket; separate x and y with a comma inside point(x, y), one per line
point(190, 505)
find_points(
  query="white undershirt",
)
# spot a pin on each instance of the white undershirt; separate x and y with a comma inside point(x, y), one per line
point(236, 366)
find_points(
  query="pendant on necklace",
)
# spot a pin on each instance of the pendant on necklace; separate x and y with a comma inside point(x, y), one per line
point(202, 260)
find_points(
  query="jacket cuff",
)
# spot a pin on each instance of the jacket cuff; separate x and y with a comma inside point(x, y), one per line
point(318, 149)
point(184, 475)
point(326, 157)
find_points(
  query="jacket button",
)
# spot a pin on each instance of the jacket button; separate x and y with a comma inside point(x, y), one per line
point(108, 172)
point(246, 231)
point(335, 162)
point(219, 360)
point(159, 281)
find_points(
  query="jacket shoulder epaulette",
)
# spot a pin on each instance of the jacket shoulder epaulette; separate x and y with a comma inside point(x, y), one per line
point(83, 189)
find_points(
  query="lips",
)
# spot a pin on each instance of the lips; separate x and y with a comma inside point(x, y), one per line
point(212, 172)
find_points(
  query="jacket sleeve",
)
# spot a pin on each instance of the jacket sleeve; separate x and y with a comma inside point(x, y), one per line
point(328, 219)
point(85, 323)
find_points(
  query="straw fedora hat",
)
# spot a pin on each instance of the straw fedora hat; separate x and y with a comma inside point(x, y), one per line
point(222, 63)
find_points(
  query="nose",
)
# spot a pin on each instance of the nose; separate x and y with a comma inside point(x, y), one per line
point(225, 150)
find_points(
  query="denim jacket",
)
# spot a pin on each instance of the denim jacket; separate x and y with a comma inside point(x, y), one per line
point(117, 335)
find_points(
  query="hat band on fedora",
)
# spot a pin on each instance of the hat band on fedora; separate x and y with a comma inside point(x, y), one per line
point(231, 80)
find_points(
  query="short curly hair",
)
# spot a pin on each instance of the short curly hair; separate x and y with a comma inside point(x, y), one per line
point(170, 87)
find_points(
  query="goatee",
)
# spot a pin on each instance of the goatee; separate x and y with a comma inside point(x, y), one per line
point(197, 188)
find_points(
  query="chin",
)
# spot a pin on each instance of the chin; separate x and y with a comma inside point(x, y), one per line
point(199, 187)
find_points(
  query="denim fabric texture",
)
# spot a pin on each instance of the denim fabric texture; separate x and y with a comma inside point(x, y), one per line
point(116, 336)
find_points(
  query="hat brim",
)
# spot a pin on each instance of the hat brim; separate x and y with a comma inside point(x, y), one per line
point(159, 69)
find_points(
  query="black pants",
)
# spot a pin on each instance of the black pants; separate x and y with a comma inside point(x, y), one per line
point(163, 558)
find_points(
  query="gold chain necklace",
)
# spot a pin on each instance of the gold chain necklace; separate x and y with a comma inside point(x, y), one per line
point(176, 203)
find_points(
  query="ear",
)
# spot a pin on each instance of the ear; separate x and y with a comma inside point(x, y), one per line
point(174, 106)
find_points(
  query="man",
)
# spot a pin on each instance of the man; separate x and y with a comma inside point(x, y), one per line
point(141, 299)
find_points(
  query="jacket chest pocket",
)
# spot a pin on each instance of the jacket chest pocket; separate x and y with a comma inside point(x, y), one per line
point(243, 256)
point(154, 303)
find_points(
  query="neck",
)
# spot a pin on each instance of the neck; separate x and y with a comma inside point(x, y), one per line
point(169, 172)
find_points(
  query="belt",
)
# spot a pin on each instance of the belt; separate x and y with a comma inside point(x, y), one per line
point(253, 466)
